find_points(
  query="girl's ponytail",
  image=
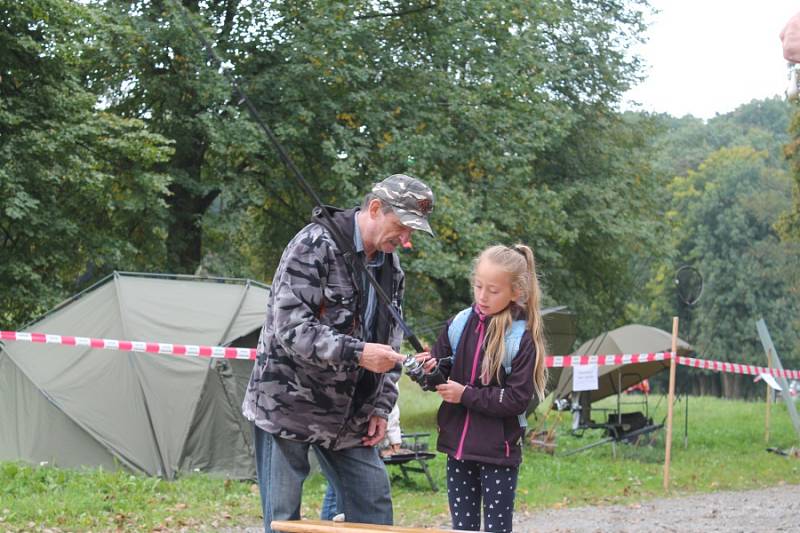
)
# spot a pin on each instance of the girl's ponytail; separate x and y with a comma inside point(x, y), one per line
point(519, 261)
point(535, 324)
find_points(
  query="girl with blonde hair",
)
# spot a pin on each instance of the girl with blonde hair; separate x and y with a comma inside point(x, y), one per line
point(497, 348)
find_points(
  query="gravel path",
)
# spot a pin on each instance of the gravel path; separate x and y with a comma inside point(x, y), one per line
point(763, 510)
point(773, 509)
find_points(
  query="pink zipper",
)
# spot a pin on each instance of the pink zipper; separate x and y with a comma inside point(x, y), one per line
point(481, 332)
point(508, 450)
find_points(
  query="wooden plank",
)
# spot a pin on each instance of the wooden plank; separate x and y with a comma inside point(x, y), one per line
point(325, 526)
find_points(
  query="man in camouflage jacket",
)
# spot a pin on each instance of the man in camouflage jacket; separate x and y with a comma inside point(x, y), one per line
point(328, 356)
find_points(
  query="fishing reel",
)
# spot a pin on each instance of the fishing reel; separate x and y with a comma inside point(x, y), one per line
point(428, 380)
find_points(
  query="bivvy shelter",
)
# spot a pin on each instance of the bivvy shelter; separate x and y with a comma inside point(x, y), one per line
point(559, 329)
point(613, 379)
point(154, 414)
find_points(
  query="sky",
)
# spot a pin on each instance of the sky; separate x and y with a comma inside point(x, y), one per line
point(707, 57)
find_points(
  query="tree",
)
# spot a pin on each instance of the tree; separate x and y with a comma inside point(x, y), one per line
point(730, 206)
point(78, 190)
point(725, 188)
point(477, 98)
point(486, 101)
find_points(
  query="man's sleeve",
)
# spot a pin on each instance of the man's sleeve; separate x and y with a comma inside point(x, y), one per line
point(388, 397)
point(298, 299)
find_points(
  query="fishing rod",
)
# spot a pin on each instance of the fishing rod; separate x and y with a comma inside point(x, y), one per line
point(346, 247)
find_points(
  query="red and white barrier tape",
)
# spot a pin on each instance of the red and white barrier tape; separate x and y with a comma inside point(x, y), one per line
point(552, 361)
point(133, 346)
point(736, 368)
point(563, 361)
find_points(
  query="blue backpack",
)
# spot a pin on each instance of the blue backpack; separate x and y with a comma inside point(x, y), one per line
point(512, 340)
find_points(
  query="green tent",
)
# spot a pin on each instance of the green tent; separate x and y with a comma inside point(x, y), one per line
point(612, 379)
point(154, 414)
point(559, 329)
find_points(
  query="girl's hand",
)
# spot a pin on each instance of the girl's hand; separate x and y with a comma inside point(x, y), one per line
point(451, 391)
point(428, 362)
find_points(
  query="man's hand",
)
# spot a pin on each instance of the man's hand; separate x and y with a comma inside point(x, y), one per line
point(451, 391)
point(379, 358)
point(375, 432)
point(424, 358)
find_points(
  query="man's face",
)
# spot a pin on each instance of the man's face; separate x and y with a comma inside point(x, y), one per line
point(389, 232)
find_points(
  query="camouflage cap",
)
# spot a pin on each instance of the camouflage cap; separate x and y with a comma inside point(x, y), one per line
point(410, 199)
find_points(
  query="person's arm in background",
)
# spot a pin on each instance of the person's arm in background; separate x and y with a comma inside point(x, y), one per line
point(394, 436)
point(790, 38)
point(393, 432)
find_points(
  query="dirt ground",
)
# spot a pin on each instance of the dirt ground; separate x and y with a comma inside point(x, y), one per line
point(763, 510)
point(773, 509)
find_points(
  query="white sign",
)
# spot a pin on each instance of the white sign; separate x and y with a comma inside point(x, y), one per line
point(769, 380)
point(584, 377)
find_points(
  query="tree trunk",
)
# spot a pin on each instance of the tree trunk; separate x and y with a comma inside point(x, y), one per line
point(185, 238)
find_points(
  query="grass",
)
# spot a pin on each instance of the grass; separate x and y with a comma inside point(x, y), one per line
point(726, 451)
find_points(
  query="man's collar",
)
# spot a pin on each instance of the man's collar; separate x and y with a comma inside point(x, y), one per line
point(377, 259)
point(357, 240)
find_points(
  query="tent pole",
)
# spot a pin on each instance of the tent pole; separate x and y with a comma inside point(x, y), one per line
point(686, 421)
point(671, 400)
point(772, 354)
point(769, 397)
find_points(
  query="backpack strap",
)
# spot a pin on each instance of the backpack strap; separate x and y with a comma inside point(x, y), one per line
point(456, 328)
point(512, 340)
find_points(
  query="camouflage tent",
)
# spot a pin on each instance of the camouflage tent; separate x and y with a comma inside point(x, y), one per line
point(154, 414)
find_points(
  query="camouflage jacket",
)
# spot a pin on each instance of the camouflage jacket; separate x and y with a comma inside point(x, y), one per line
point(306, 384)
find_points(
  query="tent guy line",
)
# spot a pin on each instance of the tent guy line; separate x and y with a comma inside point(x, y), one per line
point(553, 361)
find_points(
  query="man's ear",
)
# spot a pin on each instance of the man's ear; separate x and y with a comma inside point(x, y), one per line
point(374, 207)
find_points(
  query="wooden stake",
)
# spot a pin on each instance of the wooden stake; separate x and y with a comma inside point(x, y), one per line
point(769, 399)
point(670, 400)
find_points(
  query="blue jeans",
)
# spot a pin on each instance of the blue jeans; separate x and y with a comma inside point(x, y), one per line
point(329, 504)
point(358, 477)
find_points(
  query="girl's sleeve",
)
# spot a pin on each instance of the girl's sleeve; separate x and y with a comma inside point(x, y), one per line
point(513, 397)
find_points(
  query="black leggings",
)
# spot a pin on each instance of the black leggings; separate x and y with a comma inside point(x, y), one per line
point(469, 482)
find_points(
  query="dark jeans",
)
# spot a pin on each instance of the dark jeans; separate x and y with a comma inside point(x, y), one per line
point(358, 477)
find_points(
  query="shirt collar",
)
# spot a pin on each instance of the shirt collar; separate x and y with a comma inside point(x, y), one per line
point(359, 244)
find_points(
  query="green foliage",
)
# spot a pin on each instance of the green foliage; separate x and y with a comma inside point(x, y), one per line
point(123, 147)
point(726, 187)
point(789, 225)
point(728, 209)
point(93, 499)
point(78, 186)
point(726, 452)
point(486, 101)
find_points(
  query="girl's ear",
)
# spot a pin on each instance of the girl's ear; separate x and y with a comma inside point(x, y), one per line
point(515, 294)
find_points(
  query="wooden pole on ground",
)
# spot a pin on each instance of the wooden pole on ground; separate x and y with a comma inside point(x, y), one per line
point(323, 526)
point(769, 398)
point(670, 400)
